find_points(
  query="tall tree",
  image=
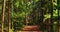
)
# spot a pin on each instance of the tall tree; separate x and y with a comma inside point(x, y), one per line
point(9, 8)
point(3, 13)
point(58, 7)
point(51, 30)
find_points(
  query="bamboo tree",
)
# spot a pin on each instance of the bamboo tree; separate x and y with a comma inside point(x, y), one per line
point(3, 14)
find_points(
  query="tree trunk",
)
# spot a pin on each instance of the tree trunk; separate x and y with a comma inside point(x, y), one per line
point(9, 8)
point(51, 30)
point(58, 2)
point(12, 13)
point(3, 13)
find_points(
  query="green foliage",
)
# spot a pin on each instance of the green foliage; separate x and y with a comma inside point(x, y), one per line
point(47, 16)
point(21, 9)
point(24, 10)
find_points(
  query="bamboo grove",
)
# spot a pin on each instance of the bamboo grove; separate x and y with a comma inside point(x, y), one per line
point(16, 14)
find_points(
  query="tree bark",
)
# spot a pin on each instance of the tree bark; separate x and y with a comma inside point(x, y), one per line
point(51, 30)
point(3, 14)
point(9, 8)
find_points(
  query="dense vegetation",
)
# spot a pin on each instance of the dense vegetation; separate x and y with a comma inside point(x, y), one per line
point(31, 12)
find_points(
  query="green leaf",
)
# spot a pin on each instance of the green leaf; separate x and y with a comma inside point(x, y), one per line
point(17, 4)
point(47, 16)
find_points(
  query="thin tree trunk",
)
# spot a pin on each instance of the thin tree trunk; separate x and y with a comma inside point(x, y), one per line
point(51, 30)
point(9, 8)
point(3, 13)
point(26, 20)
point(58, 16)
point(12, 13)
